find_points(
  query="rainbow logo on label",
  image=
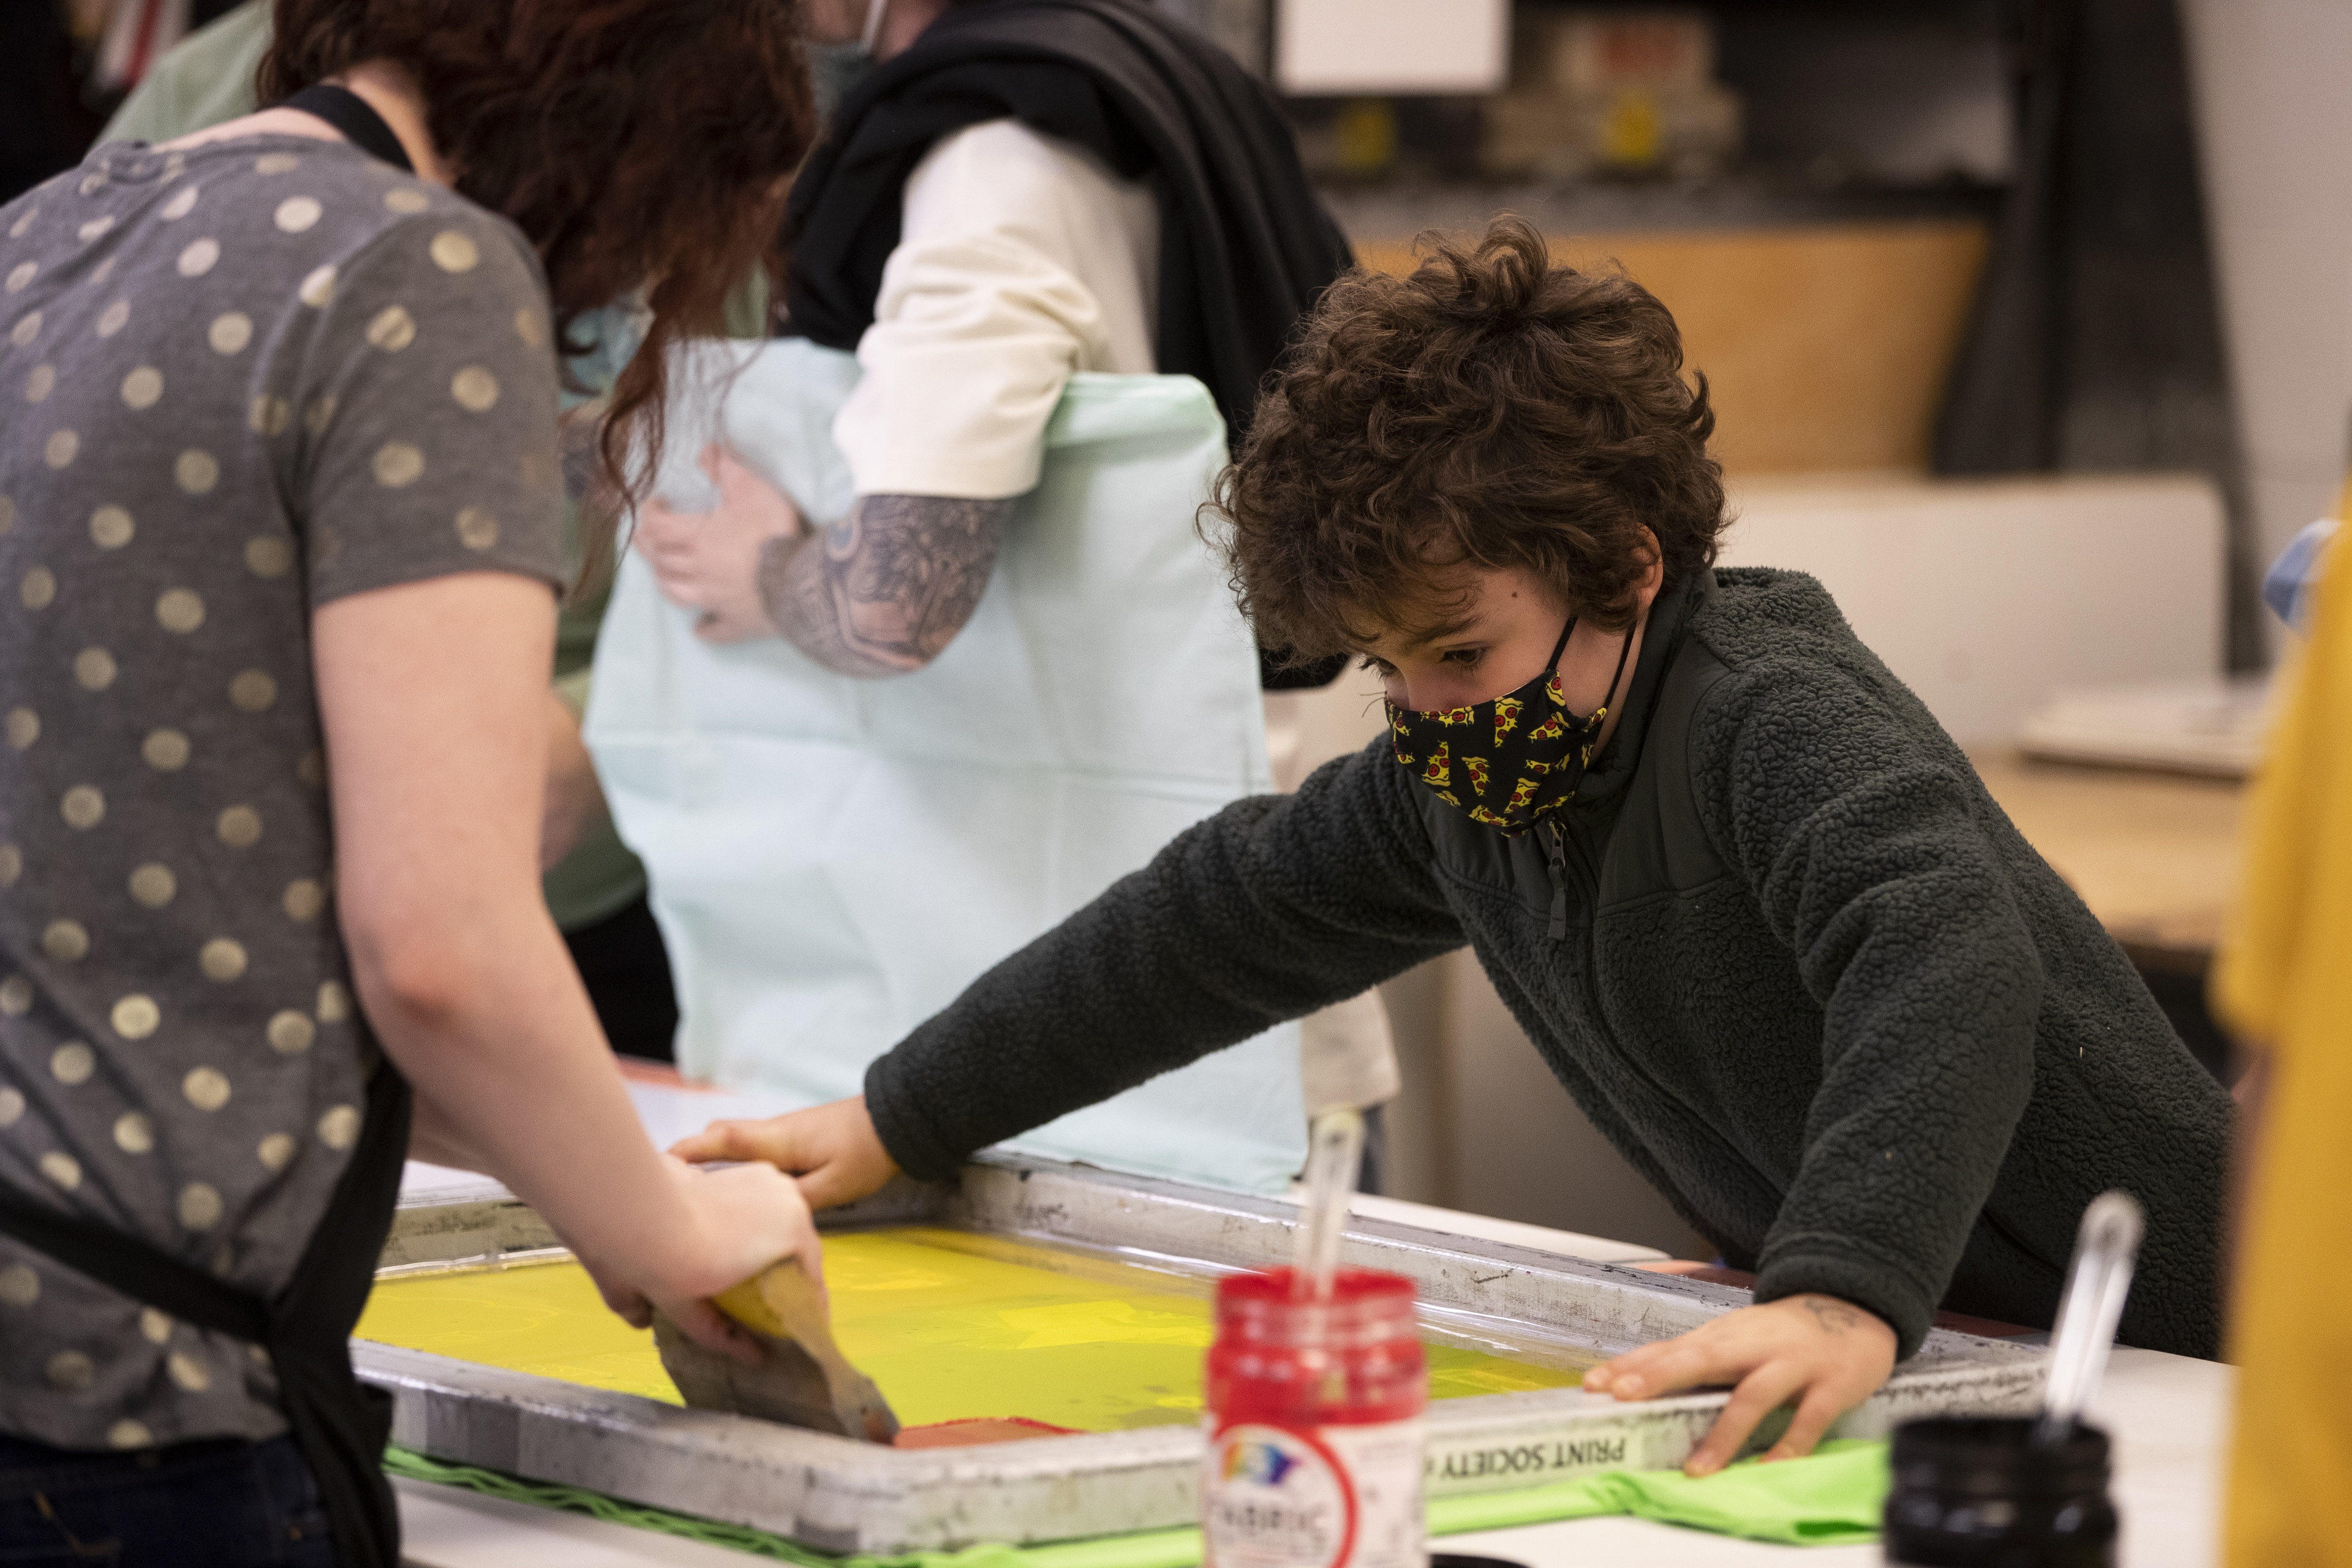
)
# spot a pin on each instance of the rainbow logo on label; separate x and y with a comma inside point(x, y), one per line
point(1260, 1462)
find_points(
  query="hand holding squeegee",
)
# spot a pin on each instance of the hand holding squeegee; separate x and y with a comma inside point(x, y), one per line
point(801, 1379)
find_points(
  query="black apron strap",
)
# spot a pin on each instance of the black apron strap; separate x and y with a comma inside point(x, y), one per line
point(134, 1269)
point(348, 113)
point(339, 1426)
point(339, 1423)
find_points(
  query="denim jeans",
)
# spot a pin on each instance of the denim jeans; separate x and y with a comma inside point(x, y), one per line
point(192, 1506)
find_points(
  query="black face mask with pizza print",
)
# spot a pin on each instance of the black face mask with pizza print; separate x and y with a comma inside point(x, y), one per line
point(1508, 760)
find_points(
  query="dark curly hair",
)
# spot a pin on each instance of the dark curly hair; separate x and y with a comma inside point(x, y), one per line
point(637, 144)
point(1490, 411)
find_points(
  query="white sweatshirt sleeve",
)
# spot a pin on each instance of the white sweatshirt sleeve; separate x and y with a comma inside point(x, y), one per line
point(1021, 259)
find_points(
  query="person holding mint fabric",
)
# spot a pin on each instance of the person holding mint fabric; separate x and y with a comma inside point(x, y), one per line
point(1023, 196)
point(1018, 190)
point(1749, 901)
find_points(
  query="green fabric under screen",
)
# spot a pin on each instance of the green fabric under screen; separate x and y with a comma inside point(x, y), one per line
point(1832, 1499)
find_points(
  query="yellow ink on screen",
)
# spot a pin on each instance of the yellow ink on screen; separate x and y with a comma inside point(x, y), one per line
point(952, 1326)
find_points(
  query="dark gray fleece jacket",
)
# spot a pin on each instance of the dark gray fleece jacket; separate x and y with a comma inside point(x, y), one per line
point(1809, 980)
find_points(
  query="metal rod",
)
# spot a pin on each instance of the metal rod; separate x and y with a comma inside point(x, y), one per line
point(1335, 1146)
point(2097, 1284)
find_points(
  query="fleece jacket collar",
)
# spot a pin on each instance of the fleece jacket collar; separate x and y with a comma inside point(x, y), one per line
point(1669, 628)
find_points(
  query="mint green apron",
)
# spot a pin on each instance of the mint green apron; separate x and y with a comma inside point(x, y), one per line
point(833, 860)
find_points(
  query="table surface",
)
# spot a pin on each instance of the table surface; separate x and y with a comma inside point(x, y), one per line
point(2168, 1415)
point(2154, 855)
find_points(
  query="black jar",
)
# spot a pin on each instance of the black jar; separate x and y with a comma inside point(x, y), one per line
point(1969, 1493)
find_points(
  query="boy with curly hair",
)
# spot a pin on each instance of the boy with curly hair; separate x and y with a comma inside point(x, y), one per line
point(1746, 898)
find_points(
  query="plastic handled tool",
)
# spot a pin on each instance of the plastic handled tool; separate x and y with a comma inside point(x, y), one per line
point(2097, 1284)
point(1335, 1147)
point(803, 1379)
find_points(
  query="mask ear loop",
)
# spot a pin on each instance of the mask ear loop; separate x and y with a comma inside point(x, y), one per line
point(875, 11)
point(1560, 647)
point(1624, 651)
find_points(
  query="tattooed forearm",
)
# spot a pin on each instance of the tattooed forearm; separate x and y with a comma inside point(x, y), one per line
point(884, 590)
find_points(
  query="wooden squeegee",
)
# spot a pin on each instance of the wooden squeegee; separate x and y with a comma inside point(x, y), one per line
point(803, 1379)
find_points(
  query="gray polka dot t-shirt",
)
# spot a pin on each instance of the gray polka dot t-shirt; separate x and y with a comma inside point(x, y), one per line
point(236, 382)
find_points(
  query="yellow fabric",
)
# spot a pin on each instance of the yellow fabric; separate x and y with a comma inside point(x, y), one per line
point(2283, 984)
point(950, 1325)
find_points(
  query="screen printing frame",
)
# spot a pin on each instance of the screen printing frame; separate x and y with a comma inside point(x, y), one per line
point(837, 1495)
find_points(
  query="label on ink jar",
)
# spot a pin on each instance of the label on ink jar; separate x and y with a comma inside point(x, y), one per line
point(1318, 1497)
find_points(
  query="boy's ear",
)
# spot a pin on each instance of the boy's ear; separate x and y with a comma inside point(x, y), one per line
point(1656, 573)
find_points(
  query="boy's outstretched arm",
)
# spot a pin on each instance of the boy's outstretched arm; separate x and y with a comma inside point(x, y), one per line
point(1273, 907)
point(1866, 855)
point(1869, 854)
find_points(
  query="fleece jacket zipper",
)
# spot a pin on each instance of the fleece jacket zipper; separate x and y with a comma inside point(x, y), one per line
point(1556, 862)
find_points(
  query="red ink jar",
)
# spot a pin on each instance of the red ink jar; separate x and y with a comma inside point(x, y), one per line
point(1314, 1422)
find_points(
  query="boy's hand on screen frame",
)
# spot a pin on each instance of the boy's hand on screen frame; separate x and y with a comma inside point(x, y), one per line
point(833, 1149)
point(1826, 1354)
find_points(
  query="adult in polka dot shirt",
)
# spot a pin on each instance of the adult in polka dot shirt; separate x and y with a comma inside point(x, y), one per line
point(280, 518)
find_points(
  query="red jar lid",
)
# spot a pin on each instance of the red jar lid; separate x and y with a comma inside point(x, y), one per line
point(1348, 1285)
point(1365, 1304)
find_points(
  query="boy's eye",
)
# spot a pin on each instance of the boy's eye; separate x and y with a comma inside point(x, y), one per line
point(1377, 665)
point(1462, 658)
